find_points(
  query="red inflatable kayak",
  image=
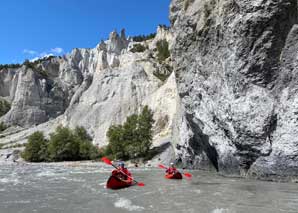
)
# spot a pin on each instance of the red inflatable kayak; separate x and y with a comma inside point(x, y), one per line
point(116, 183)
point(176, 175)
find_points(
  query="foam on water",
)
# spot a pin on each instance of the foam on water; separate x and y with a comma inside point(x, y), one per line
point(9, 180)
point(127, 204)
point(80, 180)
point(46, 174)
point(90, 172)
point(198, 191)
point(217, 194)
point(221, 210)
point(18, 202)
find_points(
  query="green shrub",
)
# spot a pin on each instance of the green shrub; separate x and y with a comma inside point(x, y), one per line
point(162, 50)
point(36, 148)
point(3, 127)
point(116, 145)
point(87, 151)
point(105, 152)
point(164, 73)
point(64, 145)
point(138, 48)
point(161, 76)
point(141, 38)
point(133, 139)
point(1, 145)
point(29, 64)
point(4, 107)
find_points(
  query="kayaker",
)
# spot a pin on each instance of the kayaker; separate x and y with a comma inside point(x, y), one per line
point(172, 169)
point(122, 172)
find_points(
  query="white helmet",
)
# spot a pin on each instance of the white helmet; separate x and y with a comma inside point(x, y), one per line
point(172, 164)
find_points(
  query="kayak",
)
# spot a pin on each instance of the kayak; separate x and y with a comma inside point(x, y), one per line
point(176, 175)
point(116, 183)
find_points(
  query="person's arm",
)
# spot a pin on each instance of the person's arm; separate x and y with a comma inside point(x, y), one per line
point(129, 174)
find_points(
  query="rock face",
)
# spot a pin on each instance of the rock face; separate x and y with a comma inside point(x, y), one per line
point(43, 90)
point(93, 88)
point(236, 70)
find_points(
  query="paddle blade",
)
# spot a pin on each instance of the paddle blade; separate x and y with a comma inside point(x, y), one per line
point(141, 184)
point(162, 166)
point(106, 160)
point(188, 175)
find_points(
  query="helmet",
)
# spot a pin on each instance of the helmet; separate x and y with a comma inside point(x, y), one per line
point(121, 164)
point(172, 164)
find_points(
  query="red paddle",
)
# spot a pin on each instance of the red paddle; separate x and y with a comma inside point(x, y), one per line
point(162, 166)
point(109, 162)
point(185, 174)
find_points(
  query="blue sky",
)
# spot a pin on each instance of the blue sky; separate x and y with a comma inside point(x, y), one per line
point(32, 28)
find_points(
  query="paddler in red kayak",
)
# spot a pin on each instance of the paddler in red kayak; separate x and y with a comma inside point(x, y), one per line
point(172, 169)
point(122, 172)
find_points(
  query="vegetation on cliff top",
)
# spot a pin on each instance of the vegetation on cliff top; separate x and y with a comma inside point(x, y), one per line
point(26, 62)
point(37, 69)
point(140, 38)
point(6, 66)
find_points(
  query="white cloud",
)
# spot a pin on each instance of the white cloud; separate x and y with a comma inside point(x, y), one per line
point(30, 52)
point(41, 55)
point(57, 50)
point(52, 52)
point(45, 54)
point(34, 59)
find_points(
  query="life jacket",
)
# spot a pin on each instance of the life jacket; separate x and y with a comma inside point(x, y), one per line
point(171, 170)
point(122, 173)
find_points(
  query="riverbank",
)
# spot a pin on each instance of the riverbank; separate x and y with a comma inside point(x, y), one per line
point(82, 164)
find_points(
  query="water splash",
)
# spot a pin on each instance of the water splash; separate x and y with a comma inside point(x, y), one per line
point(221, 210)
point(127, 204)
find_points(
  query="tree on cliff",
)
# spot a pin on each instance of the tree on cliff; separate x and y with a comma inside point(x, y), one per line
point(163, 51)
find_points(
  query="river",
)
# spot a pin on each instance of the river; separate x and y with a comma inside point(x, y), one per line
point(50, 188)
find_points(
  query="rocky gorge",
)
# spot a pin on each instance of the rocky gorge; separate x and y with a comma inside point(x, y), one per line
point(226, 101)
